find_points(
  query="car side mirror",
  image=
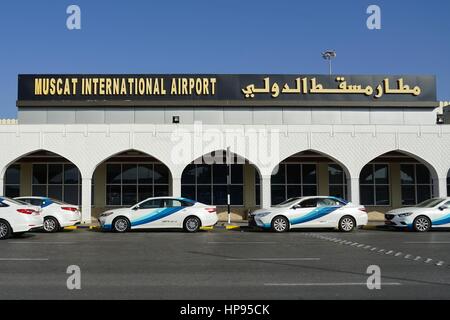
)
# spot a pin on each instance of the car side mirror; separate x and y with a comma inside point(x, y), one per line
point(444, 207)
point(135, 208)
point(297, 206)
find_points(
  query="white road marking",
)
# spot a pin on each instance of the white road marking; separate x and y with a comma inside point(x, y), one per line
point(273, 259)
point(430, 242)
point(23, 259)
point(242, 242)
point(337, 284)
point(39, 242)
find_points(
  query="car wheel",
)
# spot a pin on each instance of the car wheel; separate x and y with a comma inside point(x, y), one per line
point(121, 225)
point(51, 225)
point(422, 224)
point(5, 230)
point(347, 224)
point(191, 224)
point(280, 224)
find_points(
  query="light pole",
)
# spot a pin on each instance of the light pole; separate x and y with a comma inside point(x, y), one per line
point(329, 55)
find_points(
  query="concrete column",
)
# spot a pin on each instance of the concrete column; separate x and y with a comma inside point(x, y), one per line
point(2, 185)
point(86, 191)
point(249, 186)
point(176, 187)
point(266, 197)
point(442, 187)
point(396, 187)
point(100, 186)
point(353, 183)
point(26, 179)
point(322, 177)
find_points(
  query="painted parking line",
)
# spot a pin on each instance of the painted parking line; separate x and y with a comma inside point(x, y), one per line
point(39, 242)
point(242, 242)
point(273, 259)
point(330, 284)
point(427, 242)
point(24, 259)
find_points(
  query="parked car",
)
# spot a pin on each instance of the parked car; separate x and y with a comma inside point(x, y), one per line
point(17, 217)
point(57, 214)
point(160, 212)
point(310, 212)
point(433, 213)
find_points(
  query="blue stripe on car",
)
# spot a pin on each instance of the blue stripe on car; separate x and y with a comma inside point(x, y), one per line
point(313, 215)
point(442, 221)
point(156, 215)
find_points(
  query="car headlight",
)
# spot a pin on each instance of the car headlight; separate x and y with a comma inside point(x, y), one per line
point(105, 214)
point(263, 214)
point(405, 214)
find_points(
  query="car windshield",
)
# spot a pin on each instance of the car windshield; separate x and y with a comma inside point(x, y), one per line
point(430, 203)
point(287, 203)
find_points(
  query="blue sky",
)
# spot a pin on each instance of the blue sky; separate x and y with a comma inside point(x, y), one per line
point(233, 36)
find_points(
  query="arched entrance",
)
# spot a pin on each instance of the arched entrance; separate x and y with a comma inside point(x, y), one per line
point(205, 180)
point(396, 179)
point(43, 173)
point(126, 178)
point(308, 173)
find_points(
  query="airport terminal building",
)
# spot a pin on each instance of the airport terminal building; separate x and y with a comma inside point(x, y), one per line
point(102, 141)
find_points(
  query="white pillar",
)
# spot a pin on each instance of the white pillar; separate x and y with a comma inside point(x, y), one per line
point(86, 191)
point(442, 187)
point(266, 197)
point(176, 187)
point(353, 183)
point(2, 186)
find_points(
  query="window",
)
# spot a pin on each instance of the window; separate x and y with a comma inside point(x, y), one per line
point(337, 181)
point(309, 203)
point(257, 189)
point(327, 202)
point(448, 183)
point(416, 184)
point(293, 180)
point(208, 183)
point(151, 204)
point(57, 181)
point(374, 185)
point(12, 181)
point(130, 183)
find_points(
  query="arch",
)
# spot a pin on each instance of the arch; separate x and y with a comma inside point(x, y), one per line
point(428, 164)
point(234, 154)
point(394, 180)
point(95, 166)
point(50, 160)
point(214, 191)
point(17, 157)
point(324, 154)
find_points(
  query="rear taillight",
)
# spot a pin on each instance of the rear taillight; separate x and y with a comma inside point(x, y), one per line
point(26, 211)
point(211, 210)
point(72, 209)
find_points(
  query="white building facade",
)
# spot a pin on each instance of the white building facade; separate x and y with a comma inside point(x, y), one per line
point(105, 149)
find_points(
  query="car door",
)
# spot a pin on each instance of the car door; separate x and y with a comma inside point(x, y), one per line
point(174, 213)
point(302, 214)
point(441, 216)
point(328, 213)
point(146, 214)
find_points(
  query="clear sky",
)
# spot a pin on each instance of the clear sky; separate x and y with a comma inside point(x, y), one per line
point(228, 36)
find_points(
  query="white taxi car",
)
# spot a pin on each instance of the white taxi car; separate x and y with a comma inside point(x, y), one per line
point(432, 213)
point(57, 214)
point(17, 218)
point(310, 212)
point(160, 212)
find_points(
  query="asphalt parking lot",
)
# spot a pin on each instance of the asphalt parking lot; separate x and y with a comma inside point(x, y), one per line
point(226, 264)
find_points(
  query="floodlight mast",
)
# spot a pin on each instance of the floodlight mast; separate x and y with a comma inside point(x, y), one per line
point(329, 55)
